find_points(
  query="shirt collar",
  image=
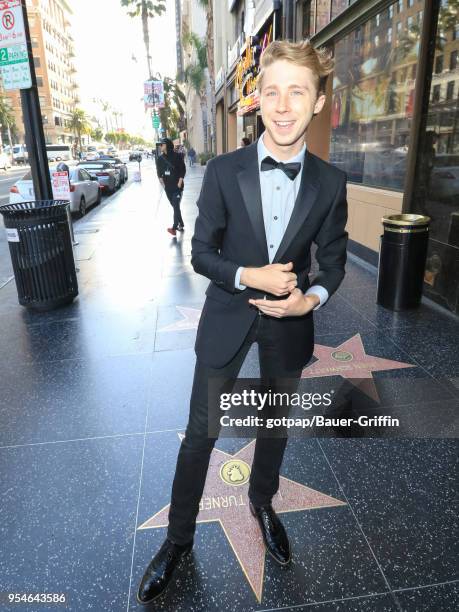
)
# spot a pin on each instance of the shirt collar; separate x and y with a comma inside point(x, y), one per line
point(263, 152)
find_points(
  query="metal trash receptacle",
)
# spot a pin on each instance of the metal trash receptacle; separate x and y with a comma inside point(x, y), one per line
point(402, 260)
point(40, 245)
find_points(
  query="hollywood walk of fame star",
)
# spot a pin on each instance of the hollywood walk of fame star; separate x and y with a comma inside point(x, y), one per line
point(190, 320)
point(350, 361)
point(225, 500)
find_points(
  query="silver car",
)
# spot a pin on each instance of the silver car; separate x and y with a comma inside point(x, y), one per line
point(108, 176)
point(116, 161)
point(84, 190)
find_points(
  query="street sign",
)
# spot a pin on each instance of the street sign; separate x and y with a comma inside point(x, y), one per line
point(155, 121)
point(60, 183)
point(14, 67)
point(153, 94)
point(12, 30)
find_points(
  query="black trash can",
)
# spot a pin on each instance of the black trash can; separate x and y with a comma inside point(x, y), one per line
point(41, 252)
point(402, 259)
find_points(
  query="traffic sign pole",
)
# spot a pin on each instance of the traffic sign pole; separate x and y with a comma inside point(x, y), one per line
point(33, 124)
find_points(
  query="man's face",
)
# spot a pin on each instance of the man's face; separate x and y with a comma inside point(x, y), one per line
point(288, 100)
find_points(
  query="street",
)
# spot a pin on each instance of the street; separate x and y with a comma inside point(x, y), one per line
point(7, 179)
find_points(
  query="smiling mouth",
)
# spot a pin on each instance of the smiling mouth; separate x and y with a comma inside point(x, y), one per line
point(284, 124)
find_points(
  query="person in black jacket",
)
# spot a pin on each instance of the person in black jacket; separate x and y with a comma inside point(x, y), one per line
point(171, 171)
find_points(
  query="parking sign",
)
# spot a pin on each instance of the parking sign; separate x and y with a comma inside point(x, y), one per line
point(12, 30)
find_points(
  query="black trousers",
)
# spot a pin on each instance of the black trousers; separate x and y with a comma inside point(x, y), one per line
point(196, 447)
point(174, 196)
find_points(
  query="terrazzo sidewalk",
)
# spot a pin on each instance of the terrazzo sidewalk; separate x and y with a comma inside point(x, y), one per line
point(94, 398)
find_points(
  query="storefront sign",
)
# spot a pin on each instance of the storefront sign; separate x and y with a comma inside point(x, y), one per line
point(219, 79)
point(248, 69)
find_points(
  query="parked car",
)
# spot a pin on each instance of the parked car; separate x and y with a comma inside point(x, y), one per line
point(84, 190)
point(118, 164)
point(107, 174)
point(135, 156)
point(92, 156)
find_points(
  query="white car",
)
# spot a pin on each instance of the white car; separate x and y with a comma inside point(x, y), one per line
point(5, 161)
point(84, 190)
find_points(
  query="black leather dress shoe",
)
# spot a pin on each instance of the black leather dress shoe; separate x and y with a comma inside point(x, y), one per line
point(160, 569)
point(274, 534)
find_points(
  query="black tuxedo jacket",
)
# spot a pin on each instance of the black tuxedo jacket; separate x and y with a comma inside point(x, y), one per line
point(229, 233)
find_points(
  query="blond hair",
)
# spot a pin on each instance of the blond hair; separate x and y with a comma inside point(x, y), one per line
point(319, 61)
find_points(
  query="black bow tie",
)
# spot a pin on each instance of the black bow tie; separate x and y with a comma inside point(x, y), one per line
point(291, 170)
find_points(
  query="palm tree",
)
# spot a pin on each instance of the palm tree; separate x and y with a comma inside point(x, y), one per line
point(209, 8)
point(146, 9)
point(173, 110)
point(79, 123)
point(7, 119)
point(97, 134)
point(196, 76)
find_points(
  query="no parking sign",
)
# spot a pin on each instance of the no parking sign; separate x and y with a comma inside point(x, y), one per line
point(12, 31)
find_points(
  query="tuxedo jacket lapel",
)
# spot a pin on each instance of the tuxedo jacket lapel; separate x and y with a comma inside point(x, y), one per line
point(307, 194)
point(249, 182)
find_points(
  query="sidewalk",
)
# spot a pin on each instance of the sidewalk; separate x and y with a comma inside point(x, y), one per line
point(94, 398)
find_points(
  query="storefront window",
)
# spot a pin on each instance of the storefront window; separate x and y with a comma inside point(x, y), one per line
point(313, 15)
point(338, 7)
point(323, 9)
point(436, 184)
point(372, 103)
point(306, 18)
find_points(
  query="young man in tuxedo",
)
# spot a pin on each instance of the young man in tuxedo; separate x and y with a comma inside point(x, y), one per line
point(260, 209)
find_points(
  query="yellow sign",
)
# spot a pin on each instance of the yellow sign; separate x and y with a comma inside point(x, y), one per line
point(248, 68)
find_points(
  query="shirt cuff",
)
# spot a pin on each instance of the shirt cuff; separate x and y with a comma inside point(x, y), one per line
point(319, 291)
point(237, 281)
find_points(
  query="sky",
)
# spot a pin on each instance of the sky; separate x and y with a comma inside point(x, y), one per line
point(106, 39)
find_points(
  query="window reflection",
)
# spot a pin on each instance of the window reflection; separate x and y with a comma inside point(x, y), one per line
point(373, 94)
point(436, 185)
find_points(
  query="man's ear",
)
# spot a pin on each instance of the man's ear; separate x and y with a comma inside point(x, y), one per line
point(318, 106)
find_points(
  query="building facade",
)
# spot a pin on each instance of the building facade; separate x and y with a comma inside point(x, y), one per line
point(198, 132)
point(391, 118)
point(53, 52)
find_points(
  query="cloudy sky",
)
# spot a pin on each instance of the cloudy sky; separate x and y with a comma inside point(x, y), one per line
point(106, 40)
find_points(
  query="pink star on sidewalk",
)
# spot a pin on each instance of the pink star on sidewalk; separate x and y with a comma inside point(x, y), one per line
point(225, 501)
point(350, 361)
point(190, 320)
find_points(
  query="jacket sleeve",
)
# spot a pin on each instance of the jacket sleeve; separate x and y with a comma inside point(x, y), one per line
point(206, 257)
point(159, 170)
point(181, 165)
point(331, 242)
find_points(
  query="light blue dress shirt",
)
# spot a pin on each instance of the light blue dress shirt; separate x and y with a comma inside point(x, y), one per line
point(278, 196)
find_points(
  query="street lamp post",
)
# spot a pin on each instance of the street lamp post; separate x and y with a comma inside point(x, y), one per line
point(33, 124)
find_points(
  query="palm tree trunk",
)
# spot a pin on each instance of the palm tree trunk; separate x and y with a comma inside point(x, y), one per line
point(146, 36)
point(10, 140)
point(211, 66)
point(203, 103)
